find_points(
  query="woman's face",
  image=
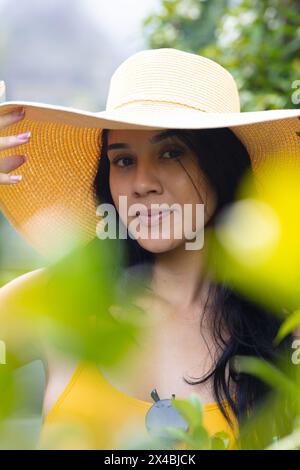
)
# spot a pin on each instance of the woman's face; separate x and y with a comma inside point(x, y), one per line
point(151, 168)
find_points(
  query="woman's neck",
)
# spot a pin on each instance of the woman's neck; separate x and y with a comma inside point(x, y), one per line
point(180, 279)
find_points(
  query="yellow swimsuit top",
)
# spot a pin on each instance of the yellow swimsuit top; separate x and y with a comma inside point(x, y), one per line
point(92, 414)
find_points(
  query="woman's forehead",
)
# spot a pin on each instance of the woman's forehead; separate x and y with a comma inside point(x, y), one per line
point(131, 134)
point(133, 137)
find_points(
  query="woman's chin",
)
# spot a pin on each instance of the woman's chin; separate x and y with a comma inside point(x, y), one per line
point(158, 246)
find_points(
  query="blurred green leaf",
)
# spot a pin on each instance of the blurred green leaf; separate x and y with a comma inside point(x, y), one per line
point(220, 441)
point(191, 409)
point(288, 326)
point(266, 372)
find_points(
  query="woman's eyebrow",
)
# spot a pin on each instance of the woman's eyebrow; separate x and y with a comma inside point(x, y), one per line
point(153, 140)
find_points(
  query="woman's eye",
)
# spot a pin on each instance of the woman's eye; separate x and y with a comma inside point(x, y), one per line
point(118, 161)
point(125, 161)
point(175, 153)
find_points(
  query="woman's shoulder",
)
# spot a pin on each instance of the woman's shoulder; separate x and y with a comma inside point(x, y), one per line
point(18, 331)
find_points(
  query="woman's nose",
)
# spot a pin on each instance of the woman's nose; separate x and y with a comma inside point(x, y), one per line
point(146, 180)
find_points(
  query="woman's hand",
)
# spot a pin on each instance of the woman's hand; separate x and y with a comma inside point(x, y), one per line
point(10, 163)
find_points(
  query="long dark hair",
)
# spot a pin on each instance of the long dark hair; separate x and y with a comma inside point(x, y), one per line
point(224, 160)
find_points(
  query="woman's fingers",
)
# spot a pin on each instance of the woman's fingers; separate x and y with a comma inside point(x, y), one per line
point(14, 140)
point(11, 162)
point(8, 164)
point(9, 179)
point(11, 117)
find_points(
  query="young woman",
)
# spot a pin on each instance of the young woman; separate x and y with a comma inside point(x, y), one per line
point(197, 325)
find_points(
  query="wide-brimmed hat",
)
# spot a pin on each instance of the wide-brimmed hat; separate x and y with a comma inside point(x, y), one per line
point(152, 89)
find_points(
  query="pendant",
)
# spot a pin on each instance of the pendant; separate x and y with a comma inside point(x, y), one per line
point(161, 414)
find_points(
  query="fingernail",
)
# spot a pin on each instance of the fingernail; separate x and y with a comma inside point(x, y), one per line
point(24, 136)
point(15, 177)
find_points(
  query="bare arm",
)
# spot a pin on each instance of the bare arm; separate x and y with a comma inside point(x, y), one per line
point(17, 328)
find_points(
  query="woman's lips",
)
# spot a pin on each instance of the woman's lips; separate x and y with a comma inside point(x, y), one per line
point(154, 219)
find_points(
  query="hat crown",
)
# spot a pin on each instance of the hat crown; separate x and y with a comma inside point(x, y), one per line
point(176, 77)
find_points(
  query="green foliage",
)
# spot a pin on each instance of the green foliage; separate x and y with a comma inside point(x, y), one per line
point(197, 436)
point(258, 41)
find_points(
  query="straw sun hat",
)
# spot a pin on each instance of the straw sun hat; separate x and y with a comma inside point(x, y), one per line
point(152, 89)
